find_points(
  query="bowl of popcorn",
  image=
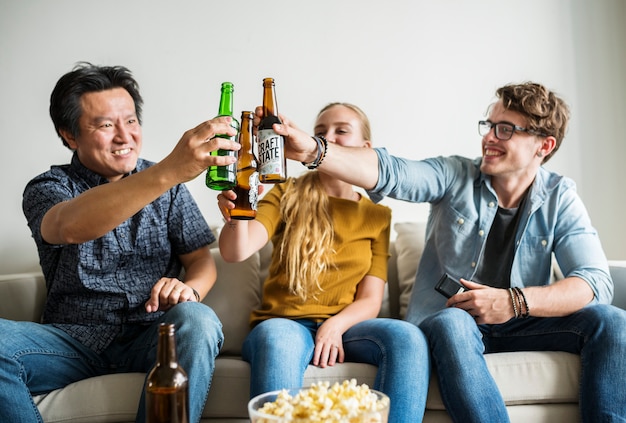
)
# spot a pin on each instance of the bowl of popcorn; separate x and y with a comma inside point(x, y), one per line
point(344, 402)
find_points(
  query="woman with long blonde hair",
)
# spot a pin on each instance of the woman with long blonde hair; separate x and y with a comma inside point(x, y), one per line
point(326, 280)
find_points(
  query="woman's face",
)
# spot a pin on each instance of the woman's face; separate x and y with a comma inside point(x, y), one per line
point(341, 125)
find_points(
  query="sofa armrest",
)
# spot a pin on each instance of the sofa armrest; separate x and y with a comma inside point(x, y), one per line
point(22, 296)
point(618, 274)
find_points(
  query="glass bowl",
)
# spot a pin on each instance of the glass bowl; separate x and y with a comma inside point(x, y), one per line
point(345, 410)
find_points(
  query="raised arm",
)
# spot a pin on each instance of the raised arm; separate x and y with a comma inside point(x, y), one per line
point(239, 239)
point(103, 208)
point(355, 165)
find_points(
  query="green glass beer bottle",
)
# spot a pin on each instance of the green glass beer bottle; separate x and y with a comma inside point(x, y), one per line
point(224, 177)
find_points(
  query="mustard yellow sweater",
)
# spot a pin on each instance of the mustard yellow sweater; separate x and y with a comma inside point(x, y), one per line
point(361, 242)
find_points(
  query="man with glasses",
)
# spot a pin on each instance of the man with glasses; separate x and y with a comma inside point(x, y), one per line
point(494, 226)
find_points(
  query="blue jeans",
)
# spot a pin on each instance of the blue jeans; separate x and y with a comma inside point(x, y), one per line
point(597, 333)
point(36, 358)
point(279, 351)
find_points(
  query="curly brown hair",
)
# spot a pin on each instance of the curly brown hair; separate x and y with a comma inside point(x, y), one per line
point(544, 111)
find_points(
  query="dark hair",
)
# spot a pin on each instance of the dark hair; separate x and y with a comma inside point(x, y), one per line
point(544, 111)
point(65, 107)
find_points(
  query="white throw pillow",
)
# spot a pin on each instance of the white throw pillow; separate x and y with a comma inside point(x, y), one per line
point(409, 247)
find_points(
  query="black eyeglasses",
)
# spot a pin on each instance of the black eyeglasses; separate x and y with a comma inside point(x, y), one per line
point(503, 130)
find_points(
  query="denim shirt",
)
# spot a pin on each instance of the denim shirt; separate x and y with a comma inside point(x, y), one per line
point(463, 204)
point(96, 287)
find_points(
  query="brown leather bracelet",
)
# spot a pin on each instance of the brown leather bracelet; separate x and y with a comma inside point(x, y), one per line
point(196, 294)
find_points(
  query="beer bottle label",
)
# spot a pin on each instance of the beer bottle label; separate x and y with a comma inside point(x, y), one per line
point(253, 193)
point(271, 151)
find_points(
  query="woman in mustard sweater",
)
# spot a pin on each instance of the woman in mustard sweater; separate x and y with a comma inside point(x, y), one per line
point(326, 281)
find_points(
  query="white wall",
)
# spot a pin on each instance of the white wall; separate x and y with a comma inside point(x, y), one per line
point(424, 72)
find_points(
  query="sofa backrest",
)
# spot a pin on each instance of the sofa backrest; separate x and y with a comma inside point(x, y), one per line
point(237, 290)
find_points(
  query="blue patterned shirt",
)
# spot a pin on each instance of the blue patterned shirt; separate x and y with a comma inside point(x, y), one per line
point(97, 286)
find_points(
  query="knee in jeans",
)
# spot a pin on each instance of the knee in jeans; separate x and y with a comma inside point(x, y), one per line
point(405, 333)
point(448, 321)
point(277, 336)
point(276, 332)
point(610, 319)
point(196, 319)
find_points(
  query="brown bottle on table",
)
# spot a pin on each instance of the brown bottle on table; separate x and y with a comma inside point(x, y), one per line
point(247, 188)
point(271, 146)
point(167, 390)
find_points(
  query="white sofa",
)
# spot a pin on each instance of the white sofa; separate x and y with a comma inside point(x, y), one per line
point(537, 386)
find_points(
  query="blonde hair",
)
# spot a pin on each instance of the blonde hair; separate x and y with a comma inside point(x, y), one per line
point(307, 242)
point(306, 247)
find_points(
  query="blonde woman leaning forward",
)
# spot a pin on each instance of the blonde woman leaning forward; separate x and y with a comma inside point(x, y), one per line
point(326, 281)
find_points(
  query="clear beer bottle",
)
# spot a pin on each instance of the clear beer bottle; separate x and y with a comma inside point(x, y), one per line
point(271, 146)
point(224, 177)
point(247, 188)
point(167, 391)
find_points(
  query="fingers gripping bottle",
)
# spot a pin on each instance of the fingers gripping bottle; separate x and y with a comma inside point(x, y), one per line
point(247, 188)
point(224, 177)
point(167, 385)
point(271, 146)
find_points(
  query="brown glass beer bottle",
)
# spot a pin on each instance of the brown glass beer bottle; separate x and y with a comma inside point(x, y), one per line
point(167, 391)
point(271, 146)
point(247, 188)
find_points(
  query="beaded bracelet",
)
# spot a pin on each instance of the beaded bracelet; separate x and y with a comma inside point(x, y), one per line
point(322, 147)
point(512, 293)
point(521, 295)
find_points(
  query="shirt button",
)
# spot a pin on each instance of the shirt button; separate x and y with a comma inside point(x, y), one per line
point(492, 204)
point(481, 233)
point(460, 221)
point(544, 242)
point(473, 264)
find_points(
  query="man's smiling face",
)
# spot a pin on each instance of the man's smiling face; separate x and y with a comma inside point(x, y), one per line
point(514, 157)
point(110, 137)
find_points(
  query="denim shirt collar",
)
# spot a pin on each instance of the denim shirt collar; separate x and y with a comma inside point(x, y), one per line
point(541, 186)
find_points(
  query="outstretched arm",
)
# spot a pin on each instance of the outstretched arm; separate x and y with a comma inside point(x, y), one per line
point(101, 209)
point(355, 165)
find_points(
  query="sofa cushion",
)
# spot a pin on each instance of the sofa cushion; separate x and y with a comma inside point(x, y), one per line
point(528, 377)
point(23, 296)
point(236, 292)
point(108, 398)
point(409, 245)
